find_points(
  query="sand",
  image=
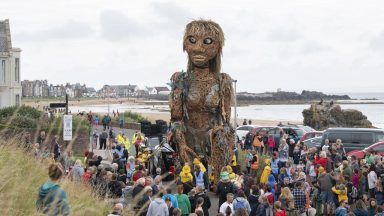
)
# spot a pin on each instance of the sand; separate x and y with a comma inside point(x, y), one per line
point(260, 122)
point(39, 103)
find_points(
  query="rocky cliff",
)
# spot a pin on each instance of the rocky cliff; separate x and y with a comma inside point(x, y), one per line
point(325, 115)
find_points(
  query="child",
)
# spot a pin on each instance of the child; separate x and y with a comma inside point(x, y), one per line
point(341, 192)
point(248, 159)
point(296, 157)
point(279, 211)
point(271, 143)
point(199, 205)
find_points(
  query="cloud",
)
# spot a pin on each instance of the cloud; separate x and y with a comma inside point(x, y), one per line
point(116, 26)
point(378, 42)
point(284, 35)
point(171, 13)
point(69, 30)
point(314, 47)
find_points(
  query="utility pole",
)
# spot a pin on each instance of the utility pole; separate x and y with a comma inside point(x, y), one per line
point(66, 104)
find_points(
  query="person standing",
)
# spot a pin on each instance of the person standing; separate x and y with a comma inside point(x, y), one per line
point(41, 138)
point(183, 201)
point(200, 178)
point(325, 184)
point(104, 121)
point(227, 206)
point(56, 148)
point(224, 187)
point(108, 121)
point(299, 197)
point(52, 199)
point(207, 202)
point(372, 180)
point(103, 139)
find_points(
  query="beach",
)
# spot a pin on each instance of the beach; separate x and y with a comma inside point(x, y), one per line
point(259, 114)
point(260, 122)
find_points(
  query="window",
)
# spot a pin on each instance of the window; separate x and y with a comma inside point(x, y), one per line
point(344, 136)
point(17, 100)
point(17, 69)
point(299, 132)
point(379, 137)
point(364, 138)
point(2, 71)
point(379, 148)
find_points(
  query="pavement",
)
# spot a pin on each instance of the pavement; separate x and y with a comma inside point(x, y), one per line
point(107, 158)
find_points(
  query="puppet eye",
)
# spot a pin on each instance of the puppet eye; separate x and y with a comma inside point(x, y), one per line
point(192, 39)
point(208, 41)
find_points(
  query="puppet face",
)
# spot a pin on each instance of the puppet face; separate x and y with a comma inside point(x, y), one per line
point(201, 48)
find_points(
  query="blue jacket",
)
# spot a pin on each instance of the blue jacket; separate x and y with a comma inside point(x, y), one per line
point(52, 200)
point(173, 198)
point(341, 211)
point(275, 166)
point(271, 182)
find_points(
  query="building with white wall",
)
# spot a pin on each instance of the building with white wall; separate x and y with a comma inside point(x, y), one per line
point(10, 85)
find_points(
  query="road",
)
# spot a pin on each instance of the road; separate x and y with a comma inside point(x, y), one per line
point(107, 158)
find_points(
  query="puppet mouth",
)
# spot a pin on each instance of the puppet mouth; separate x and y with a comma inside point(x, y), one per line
point(199, 58)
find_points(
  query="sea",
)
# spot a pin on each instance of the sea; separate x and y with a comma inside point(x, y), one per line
point(283, 112)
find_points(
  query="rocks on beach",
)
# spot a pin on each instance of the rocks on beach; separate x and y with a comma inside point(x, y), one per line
point(325, 115)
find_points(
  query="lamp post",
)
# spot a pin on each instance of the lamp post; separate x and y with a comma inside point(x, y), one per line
point(235, 118)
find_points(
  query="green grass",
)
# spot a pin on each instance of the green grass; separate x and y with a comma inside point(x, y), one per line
point(133, 117)
point(21, 174)
point(262, 158)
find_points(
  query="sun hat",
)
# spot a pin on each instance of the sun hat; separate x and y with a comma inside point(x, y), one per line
point(224, 176)
point(196, 161)
point(186, 169)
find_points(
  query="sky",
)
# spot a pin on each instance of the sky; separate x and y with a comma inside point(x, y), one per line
point(322, 45)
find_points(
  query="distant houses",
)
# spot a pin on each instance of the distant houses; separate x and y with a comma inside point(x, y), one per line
point(158, 90)
point(41, 88)
point(118, 91)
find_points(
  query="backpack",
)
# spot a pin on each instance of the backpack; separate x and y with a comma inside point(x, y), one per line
point(239, 205)
point(354, 193)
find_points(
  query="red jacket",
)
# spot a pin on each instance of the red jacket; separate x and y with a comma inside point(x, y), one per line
point(86, 177)
point(137, 175)
point(322, 162)
point(280, 213)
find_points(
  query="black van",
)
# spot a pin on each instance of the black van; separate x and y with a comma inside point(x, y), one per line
point(353, 138)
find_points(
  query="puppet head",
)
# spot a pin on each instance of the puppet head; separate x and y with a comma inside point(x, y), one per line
point(203, 41)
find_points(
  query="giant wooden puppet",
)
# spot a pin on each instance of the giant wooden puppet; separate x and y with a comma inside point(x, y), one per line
point(201, 97)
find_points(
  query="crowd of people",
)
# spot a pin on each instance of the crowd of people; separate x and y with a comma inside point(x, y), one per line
point(277, 177)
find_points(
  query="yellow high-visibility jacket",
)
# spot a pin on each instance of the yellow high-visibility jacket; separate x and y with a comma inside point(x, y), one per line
point(126, 143)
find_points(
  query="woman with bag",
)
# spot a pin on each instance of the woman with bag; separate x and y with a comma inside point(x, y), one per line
point(257, 143)
point(254, 165)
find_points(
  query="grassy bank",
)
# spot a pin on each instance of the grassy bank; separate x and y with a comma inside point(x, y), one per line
point(20, 177)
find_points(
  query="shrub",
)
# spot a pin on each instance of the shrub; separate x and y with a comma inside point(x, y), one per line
point(23, 110)
point(136, 117)
point(20, 177)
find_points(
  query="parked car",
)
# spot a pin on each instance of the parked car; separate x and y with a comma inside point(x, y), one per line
point(360, 154)
point(309, 135)
point(313, 142)
point(242, 131)
point(306, 128)
point(353, 138)
point(293, 132)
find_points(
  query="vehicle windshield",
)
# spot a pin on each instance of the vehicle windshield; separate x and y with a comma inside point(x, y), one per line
point(299, 132)
point(307, 128)
point(380, 137)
